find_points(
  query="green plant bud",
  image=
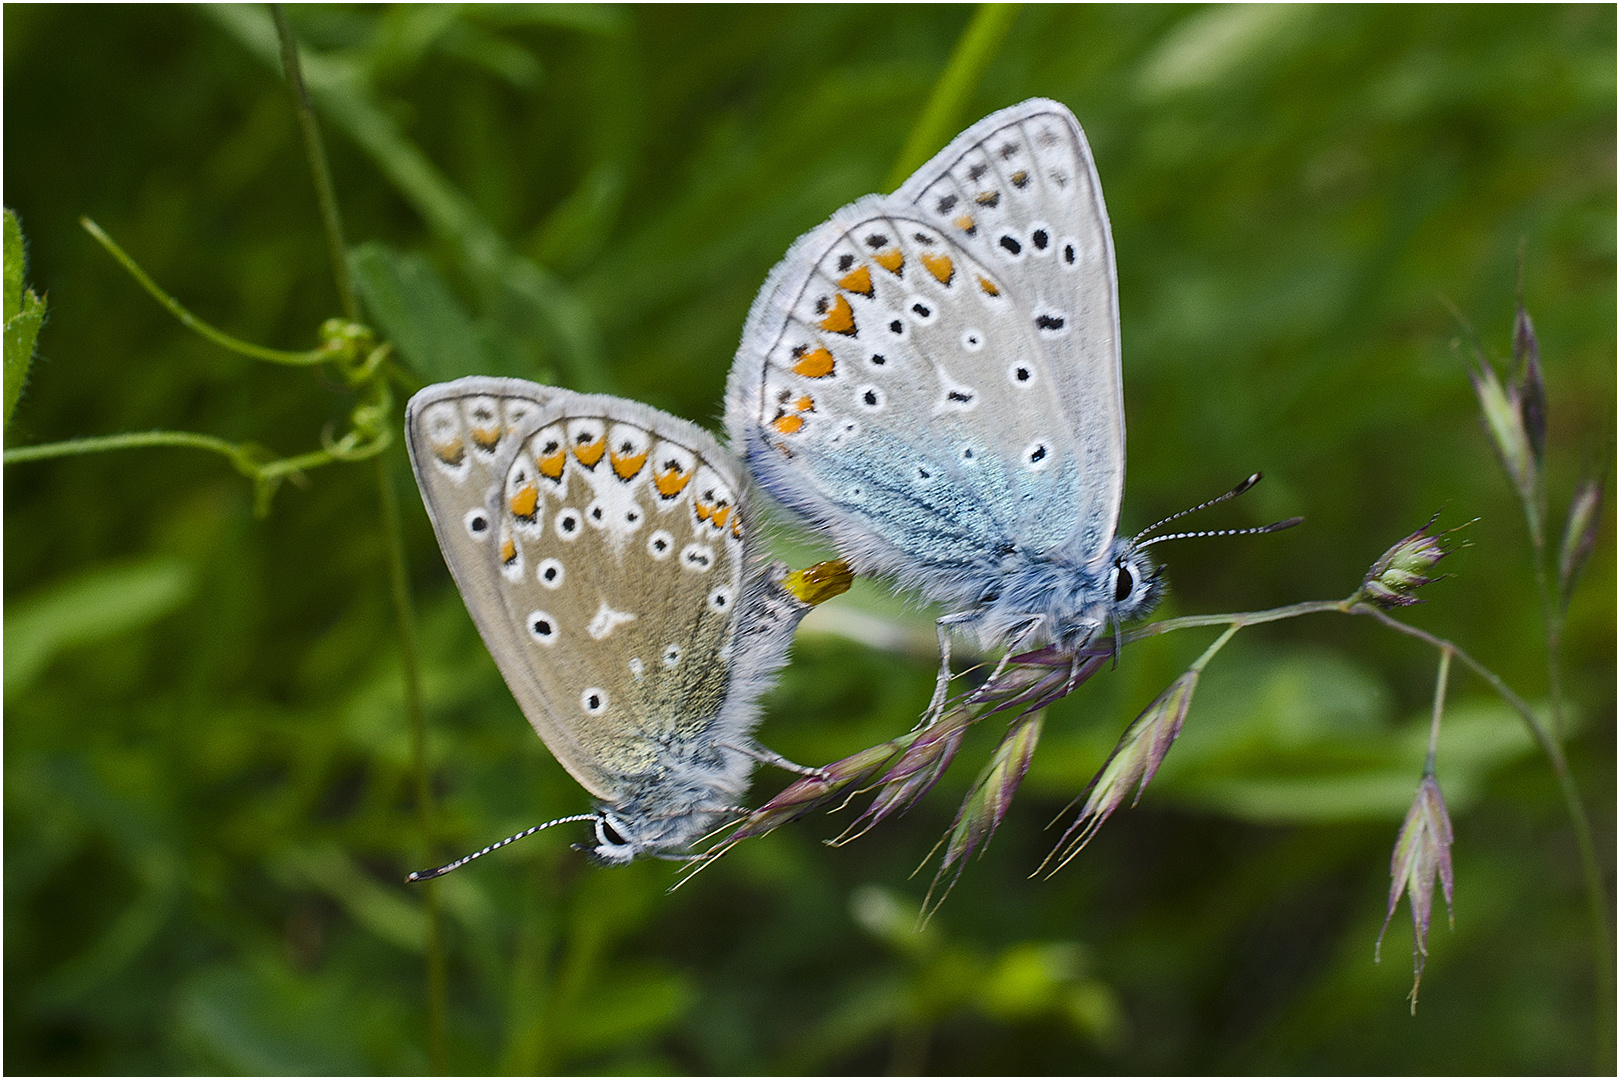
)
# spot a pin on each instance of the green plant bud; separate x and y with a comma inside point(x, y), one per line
point(1580, 534)
point(1395, 578)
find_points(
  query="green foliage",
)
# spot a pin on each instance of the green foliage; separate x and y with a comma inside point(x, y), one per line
point(209, 796)
point(94, 605)
point(24, 315)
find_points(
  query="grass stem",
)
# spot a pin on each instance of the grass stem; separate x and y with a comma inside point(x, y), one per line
point(941, 117)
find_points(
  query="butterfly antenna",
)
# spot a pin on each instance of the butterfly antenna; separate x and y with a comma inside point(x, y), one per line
point(1234, 493)
point(1275, 526)
point(439, 871)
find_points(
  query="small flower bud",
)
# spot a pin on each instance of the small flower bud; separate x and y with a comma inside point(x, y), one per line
point(1397, 575)
point(821, 582)
point(1530, 391)
point(987, 802)
point(1500, 409)
point(812, 792)
point(345, 340)
point(1037, 679)
point(1422, 852)
point(1135, 760)
point(1580, 534)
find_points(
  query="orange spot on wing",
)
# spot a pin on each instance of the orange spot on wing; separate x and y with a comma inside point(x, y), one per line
point(840, 320)
point(736, 526)
point(508, 550)
point(787, 425)
point(588, 454)
point(806, 403)
point(817, 363)
point(487, 438)
point(989, 287)
point(940, 266)
point(671, 482)
point(965, 223)
point(525, 501)
point(551, 466)
point(891, 260)
point(451, 453)
point(858, 280)
point(626, 467)
point(721, 513)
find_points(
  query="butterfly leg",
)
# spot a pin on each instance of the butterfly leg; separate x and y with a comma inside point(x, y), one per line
point(767, 756)
point(942, 686)
point(1024, 636)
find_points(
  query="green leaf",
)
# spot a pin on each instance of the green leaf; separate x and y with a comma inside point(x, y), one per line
point(414, 307)
point(16, 260)
point(94, 605)
point(25, 314)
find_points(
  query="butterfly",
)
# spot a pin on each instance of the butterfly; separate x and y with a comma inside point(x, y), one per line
point(932, 379)
point(604, 552)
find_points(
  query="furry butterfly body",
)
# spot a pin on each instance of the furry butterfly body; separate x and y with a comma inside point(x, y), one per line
point(932, 378)
point(603, 552)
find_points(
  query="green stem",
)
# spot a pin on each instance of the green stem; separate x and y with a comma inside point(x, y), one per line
point(1549, 621)
point(399, 582)
point(941, 117)
point(1215, 647)
point(315, 151)
point(238, 456)
point(190, 321)
point(376, 415)
point(1439, 709)
point(1238, 619)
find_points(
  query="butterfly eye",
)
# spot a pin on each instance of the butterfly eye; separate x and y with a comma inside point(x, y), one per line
point(1124, 583)
point(611, 835)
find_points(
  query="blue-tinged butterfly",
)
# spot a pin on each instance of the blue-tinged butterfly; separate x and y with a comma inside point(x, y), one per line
point(932, 378)
point(604, 551)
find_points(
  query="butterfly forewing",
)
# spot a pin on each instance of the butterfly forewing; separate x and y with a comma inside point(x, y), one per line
point(600, 548)
point(1019, 190)
point(462, 437)
point(627, 576)
point(897, 373)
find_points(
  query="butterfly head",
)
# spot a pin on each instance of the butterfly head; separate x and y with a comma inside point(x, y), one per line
point(618, 841)
point(623, 838)
point(1134, 582)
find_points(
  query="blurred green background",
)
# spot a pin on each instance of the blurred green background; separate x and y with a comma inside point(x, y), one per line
point(208, 796)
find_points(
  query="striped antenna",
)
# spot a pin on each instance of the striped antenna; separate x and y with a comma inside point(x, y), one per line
point(439, 871)
point(1275, 526)
point(1234, 493)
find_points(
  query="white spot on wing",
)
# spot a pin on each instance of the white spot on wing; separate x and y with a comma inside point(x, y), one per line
point(606, 620)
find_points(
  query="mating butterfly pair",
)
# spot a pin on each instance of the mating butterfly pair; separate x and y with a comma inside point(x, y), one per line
point(931, 378)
